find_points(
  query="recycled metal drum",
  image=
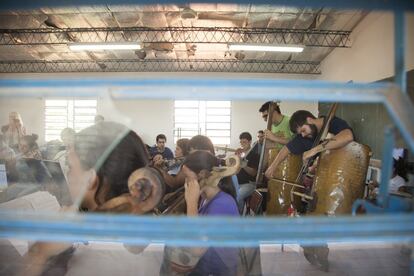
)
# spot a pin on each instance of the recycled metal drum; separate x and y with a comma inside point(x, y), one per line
point(279, 192)
point(340, 179)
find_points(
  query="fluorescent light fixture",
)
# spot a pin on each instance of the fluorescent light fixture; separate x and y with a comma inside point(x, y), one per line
point(266, 48)
point(103, 46)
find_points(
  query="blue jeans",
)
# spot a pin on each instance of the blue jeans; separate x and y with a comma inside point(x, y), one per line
point(244, 192)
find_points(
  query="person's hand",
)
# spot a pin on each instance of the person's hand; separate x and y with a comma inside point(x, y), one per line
point(238, 152)
point(312, 169)
point(308, 154)
point(269, 172)
point(18, 124)
point(158, 160)
point(46, 250)
point(192, 191)
point(269, 135)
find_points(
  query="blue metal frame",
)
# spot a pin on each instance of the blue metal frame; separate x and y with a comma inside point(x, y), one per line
point(398, 104)
point(387, 164)
point(224, 231)
point(399, 49)
point(74, 227)
point(206, 231)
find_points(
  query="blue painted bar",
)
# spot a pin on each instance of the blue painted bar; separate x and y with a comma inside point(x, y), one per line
point(399, 50)
point(387, 165)
point(206, 231)
point(180, 81)
point(350, 4)
point(399, 106)
point(197, 88)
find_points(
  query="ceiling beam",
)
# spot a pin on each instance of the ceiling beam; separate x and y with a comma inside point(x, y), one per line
point(166, 65)
point(224, 35)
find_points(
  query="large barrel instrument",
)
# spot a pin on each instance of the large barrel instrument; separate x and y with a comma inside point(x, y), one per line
point(279, 191)
point(339, 179)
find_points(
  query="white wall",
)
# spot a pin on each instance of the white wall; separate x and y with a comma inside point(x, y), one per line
point(371, 56)
point(151, 117)
point(148, 117)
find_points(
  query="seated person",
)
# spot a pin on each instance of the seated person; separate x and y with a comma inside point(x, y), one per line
point(215, 201)
point(68, 138)
point(181, 151)
point(198, 142)
point(14, 131)
point(106, 190)
point(6, 152)
point(396, 184)
point(29, 148)
point(257, 146)
point(160, 149)
point(8, 157)
point(247, 175)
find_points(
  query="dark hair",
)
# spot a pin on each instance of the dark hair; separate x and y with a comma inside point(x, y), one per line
point(203, 160)
point(200, 142)
point(31, 141)
point(261, 132)
point(298, 119)
point(245, 135)
point(99, 118)
point(183, 144)
point(200, 160)
point(161, 136)
point(399, 168)
point(114, 151)
point(265, 107)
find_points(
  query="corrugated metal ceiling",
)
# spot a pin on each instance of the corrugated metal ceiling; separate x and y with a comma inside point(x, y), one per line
point(270, 18)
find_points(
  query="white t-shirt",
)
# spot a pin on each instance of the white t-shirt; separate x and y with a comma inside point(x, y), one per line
point(395, 183)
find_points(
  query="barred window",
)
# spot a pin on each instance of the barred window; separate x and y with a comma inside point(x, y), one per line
point(210, 118)
point(60, 114)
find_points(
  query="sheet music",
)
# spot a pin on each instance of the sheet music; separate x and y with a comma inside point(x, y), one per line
point(38, 201)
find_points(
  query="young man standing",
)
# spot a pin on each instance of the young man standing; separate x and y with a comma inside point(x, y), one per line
point(280, 133)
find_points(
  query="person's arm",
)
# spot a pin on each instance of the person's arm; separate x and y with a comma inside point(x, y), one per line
point(192, 195)
point(283, 153)
point(173, 181)
point(338, 141)
point(250, 171)
point(274, 138)
point(36, 259)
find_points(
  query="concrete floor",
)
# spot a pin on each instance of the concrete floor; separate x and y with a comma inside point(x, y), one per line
point(344, 259)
